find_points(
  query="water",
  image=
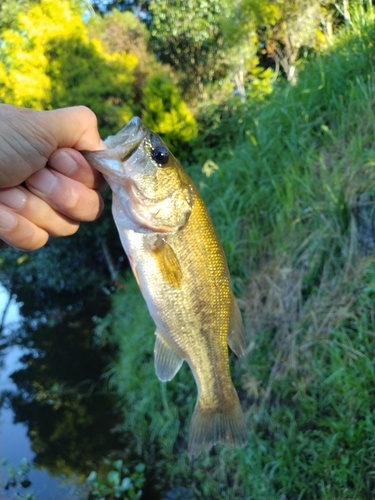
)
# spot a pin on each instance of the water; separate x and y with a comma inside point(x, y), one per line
point(15, 445)
point(56, 414)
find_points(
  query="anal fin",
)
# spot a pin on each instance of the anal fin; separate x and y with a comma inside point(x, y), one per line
point(236, 337)
point(167, 362)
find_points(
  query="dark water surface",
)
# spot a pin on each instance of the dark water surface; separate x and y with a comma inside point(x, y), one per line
point(55, 409)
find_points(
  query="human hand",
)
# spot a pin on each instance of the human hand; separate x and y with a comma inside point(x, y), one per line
point(38, 199)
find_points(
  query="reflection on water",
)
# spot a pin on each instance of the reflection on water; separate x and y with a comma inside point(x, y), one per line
point(55, 407)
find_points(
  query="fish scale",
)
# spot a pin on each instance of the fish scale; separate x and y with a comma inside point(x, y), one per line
point(180, 266)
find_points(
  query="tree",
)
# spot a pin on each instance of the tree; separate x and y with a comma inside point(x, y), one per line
point(284, 28)
point(139, 8)
point(9, 11)
point(187, 36)
point(50, 61)
point(122, 32)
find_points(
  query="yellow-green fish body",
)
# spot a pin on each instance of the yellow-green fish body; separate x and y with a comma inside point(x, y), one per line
point(180, 266)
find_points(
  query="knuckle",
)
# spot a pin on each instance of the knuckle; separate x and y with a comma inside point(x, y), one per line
point(33, 240)
point(88, 114)
point(29, 241)
point(71, 202)
point(68, 229)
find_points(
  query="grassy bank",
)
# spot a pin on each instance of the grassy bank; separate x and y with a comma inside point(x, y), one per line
point(292, 200)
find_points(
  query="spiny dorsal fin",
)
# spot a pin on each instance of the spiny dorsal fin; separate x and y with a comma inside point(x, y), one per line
point(236, 337)
point(167, 362)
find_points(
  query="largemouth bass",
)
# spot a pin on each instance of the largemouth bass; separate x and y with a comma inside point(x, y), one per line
point(180, 267)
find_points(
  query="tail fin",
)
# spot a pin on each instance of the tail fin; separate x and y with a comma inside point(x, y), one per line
point(210, 426)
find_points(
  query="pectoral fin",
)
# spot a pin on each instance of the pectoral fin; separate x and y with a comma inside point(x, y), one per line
point(167, 262)
point(236, 337)
point(167, 362)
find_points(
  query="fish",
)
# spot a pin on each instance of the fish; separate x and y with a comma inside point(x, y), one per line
point(180, 266)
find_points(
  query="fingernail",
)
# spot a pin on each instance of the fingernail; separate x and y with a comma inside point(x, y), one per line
point(43, 181)
point(64, 163)
point(103, 144)
point(7, 219)
point(13, 198)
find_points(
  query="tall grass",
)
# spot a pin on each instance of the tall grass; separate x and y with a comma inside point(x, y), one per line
point(293, 203)
point(296, 156)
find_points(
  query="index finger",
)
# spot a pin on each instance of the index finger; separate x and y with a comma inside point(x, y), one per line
point(72, 164)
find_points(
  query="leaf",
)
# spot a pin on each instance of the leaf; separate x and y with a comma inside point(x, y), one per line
point(91, 477)
point(126, 484)
point(140, 467)
point(25, 483)
point(113, 477)
point(117, 464)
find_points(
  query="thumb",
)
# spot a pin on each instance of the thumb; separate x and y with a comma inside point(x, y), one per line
point(28, 138)
point(74, 127)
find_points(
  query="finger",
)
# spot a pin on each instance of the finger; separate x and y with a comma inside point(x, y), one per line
point(37, 211)
point(29, 137)
point(75, 127)
point(72, 164)
point(19, 232)
point(67, 196)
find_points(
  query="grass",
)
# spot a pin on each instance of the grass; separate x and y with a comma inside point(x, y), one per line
point(293, 203)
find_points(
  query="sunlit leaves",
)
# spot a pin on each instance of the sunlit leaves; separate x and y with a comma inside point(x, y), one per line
point(156, 98)
point(48, 60)
point(23, 59)
point(285, 27)
point(164, 111)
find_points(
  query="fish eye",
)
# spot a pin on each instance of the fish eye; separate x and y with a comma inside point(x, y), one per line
point(160, 154)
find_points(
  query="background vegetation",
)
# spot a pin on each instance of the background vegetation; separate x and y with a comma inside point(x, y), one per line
point(270, 105)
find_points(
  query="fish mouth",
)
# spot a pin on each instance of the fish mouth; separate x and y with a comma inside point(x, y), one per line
point(120, 147)
point(133, 132)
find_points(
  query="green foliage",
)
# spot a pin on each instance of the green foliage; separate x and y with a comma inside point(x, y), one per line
point(187, 36)
point(284, 28)
point(118, 482)
point(81, 73)
point(122, 32)
point(165, 113)
point(353, 13)
point(48, 60)
point(18, 477)
point(9, 11)
point(277, 152)
point(158, 100)
point(320, 416)
point(51, 62)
